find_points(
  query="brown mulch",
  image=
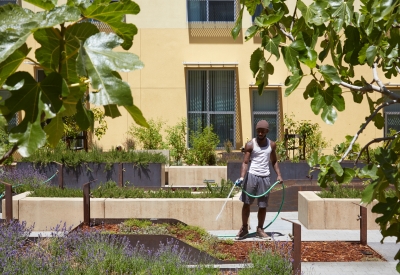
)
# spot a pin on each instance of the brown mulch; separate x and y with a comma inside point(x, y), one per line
point(317, 251)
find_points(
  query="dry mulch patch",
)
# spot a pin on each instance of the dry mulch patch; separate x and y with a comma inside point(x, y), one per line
point(316, 251)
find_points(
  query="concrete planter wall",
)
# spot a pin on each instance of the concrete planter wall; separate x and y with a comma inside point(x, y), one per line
point(46, 213)
point(151, 175)
point(179, 176)
point(319, 213)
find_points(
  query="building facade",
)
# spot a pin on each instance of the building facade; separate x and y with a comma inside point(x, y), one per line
point(194, 69)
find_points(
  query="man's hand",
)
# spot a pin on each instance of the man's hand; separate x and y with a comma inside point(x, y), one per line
point(279, 178)
point(238, 182)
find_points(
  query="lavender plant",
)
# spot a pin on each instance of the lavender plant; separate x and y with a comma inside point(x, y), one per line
point(80, 252)
point(22, 180)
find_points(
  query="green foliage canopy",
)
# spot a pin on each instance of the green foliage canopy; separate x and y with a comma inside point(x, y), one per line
point(75, 57)
point(306, 37)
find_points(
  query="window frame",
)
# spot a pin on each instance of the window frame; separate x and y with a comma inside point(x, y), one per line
point(235, 11)
point(386, 113)
point(277, 113)
point(208, 112)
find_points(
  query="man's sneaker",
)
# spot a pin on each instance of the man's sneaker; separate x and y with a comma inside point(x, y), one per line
point(243, 232)
point(262, 235)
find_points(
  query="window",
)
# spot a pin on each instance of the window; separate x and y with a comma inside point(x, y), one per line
point(211, 100)
point(5, 2)
point(211, 10)
point(266, 107)
point(257, 12)
point(392, 116)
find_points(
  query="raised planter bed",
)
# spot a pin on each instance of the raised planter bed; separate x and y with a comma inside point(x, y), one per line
point(319, 213)
point(194, 176)
point(151, 175)
point(46, 213)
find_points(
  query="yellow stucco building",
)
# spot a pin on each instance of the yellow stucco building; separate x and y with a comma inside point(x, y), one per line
point(195, 70)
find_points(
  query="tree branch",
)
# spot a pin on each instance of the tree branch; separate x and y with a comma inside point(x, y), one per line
point(365, 125)
point(294, 15)
point(9, 153)
point(369, 143)
point(289, 35)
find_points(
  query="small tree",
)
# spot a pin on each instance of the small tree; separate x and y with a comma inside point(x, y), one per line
point(75, 57)
point(149, 138)
point(176, 140)
point(370, 38)
point(203, 144)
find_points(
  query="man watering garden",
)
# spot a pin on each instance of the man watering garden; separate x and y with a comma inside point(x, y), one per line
point(256, 180)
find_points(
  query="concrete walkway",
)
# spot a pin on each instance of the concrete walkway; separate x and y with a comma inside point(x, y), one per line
point(280, 230)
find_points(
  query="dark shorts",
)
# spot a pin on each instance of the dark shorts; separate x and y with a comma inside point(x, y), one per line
point(255, 185)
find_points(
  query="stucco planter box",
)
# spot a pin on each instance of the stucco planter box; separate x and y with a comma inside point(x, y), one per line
point(180, 176)
point(151, 175)
point(46, 213)
point(319, 213)
point(15, 205)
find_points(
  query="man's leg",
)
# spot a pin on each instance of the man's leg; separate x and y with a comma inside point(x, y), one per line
point(244, 230)
point(245, 213)
point(262, 212)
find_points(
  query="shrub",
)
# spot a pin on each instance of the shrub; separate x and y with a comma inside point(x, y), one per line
point(62, 154)
point(203, 144)
point(315, 142)
point(149, 138)
point(176, 140)
point(341, 191)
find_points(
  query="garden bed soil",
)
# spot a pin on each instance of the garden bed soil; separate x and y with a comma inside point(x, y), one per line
point(316, 251)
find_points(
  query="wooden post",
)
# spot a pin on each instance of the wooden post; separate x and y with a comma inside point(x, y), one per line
point(296, 232)
point(86, 203)
point(120, 175)
point(9, 202)
point(60, 176)
point(363, 225)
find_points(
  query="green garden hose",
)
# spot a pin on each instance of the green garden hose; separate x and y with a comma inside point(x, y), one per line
point(258, 196)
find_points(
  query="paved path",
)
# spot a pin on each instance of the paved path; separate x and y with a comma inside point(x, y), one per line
point(280, 230)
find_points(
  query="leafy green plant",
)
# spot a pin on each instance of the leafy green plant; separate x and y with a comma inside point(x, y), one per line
point(62, 154)
point(150, 138)
point(355, 40)
point(341, 148)
point(340, 191)
point(203, 144)
point(5, 144)
point(176, 140)
point(314, 141)
point(228, 146)
point(75, 56)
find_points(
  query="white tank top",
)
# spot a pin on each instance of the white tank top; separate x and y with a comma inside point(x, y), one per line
point(259, 164)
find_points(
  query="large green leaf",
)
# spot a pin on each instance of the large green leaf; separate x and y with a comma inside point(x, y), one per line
point(250, 32)
point(265, 20)
point(11, 64)
point(290, 57)
point(341, 12)
point(371, 54)
point(347, 176)
point(13, 36)
point(28, 136)
point(293, 82)
point(100, 62)
point(137, 115)
point(272, 44)
point(255, 60)
point(330, 74)
point(44, 4)
point(111, 111)
point(113, 14)
point(315, 13)
point(28, 95)
point(381, 9)
point(329, 114)
point(238, 25)
point(49, 54)
point(84, 117)
point(54, 131)
point(52, 88)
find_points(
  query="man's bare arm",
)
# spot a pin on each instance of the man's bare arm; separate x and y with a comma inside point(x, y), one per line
point(246, 159)
point(274, 162)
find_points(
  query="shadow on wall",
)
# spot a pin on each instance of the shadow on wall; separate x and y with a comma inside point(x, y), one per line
point(212, 33)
